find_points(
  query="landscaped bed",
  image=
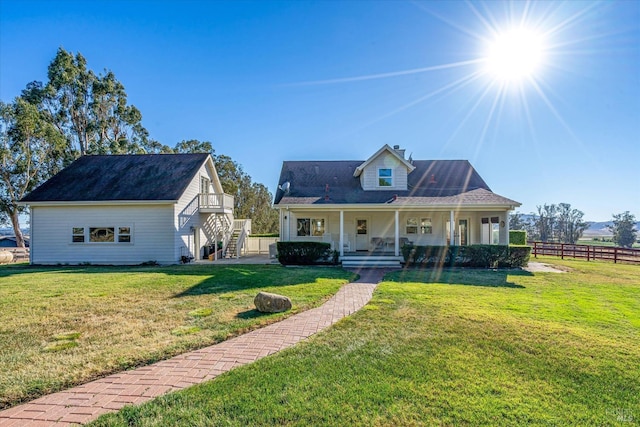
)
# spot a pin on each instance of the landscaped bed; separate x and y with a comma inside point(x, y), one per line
point(445, 347)
point(62, 326)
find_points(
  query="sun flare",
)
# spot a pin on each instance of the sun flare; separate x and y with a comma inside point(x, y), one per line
point(514, 55)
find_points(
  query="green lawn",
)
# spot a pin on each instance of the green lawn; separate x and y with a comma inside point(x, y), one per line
point(62, 326)
point(455, 347)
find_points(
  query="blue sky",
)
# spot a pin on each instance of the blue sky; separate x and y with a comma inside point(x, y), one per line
point(272, 81)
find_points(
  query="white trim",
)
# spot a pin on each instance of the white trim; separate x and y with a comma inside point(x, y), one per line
point(384, 148)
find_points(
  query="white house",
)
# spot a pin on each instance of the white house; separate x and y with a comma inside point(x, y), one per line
point(373, 206)
point(130, 209)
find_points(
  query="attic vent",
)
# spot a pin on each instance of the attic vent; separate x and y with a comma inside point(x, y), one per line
point(317, 169)
point(432, 180)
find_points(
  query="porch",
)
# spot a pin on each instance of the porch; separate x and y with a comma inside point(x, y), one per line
point(384, 232)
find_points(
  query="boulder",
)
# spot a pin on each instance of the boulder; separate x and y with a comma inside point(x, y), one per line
point(271, 303)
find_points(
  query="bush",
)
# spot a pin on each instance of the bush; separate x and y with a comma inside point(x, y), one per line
point(265, 235)
point(518, 256)
point(485, 256)
point(305, 253)
point(517, 237)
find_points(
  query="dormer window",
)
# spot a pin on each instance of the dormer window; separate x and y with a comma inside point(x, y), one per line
point(385, 178)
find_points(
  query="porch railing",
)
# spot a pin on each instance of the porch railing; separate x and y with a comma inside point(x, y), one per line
point(215, 201)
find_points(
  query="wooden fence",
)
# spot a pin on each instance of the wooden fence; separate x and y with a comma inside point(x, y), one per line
point(588, 252)
point(259, 245)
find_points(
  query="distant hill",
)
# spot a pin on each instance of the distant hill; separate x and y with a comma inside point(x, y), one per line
point(600, 229)
point(596, 229)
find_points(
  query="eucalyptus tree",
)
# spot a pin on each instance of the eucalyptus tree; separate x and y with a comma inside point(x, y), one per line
point(89, 109)
point(29, 148)
point(624, 229)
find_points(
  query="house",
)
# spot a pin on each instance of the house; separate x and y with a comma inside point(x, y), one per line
point(375, 206)
point(130, 209)
point(10, 241)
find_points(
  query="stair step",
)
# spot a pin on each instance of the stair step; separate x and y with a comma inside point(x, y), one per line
point(378, 264)
point(376, 258)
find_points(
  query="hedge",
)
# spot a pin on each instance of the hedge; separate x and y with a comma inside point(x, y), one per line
point(517, 237)
point(486, 256)
point(306, 253)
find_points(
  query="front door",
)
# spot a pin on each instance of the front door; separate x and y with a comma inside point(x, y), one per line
point(362, 234)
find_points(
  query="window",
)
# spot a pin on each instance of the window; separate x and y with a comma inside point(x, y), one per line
point(101, 235)
point(311, 226)
point(77, 234)
point(205, 185)
point(317, 227)
point(124, 234)
point(426, 226)
point(361, 226)
point(495, 230)
point(412, 226)
point(120, 234)
point(385, 178)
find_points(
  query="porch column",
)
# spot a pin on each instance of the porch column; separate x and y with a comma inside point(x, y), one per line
point(288, 224)
point(506, 226)
point(452, 229)
point(396, 251)
point(215, 237)
point(341, 233)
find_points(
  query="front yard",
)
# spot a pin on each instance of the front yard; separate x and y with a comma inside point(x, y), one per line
point(451, 347)
point(67, 325)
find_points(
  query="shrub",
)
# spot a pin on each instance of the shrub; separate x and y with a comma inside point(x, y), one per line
point(518, 256)
point(485, 256)
point(517, 237)
point(265, 235)
point(305, 253)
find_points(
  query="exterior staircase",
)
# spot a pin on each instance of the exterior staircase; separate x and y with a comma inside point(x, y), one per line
point(232, 247)
point(371, 261)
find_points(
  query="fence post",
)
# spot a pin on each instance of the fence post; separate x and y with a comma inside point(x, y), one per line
point(615, 255)
point(561, 250)
point(535, 249)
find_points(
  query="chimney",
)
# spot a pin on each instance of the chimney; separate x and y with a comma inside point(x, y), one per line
point(399, 150)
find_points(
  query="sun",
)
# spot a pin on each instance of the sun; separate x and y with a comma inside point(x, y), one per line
point(514, 55)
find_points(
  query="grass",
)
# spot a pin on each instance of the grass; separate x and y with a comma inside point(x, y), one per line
point(63, 326)
point(591, 242)
point(455, 347)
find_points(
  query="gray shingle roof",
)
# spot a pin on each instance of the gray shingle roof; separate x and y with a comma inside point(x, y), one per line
point(144, 177)
point(433, 182)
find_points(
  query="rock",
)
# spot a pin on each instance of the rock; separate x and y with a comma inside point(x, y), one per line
point(271, 303)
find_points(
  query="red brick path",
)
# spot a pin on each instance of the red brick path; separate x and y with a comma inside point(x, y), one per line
point(86, 402)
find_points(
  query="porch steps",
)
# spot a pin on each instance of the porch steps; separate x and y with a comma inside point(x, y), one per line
point(371, 261)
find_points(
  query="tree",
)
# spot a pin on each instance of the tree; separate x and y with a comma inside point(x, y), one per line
point(517, 221)
point(29, 145)
point(90, 110)
point(251, 200)
point(570, 224)
point(623, 229)
point(558, 223)
point(545, 222)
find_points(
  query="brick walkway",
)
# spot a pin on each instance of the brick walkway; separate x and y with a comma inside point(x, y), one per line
point(86, 402)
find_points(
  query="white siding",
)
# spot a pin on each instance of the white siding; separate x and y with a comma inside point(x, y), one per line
point(369, 176)
point(188, 220)
point(152, 234)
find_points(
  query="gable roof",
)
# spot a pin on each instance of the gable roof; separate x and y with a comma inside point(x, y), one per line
point(433, 182)
point(391, 151)
point(138, 177)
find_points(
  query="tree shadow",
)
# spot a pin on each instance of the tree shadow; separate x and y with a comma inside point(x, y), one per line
point(492, 278)
point(210, 278)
